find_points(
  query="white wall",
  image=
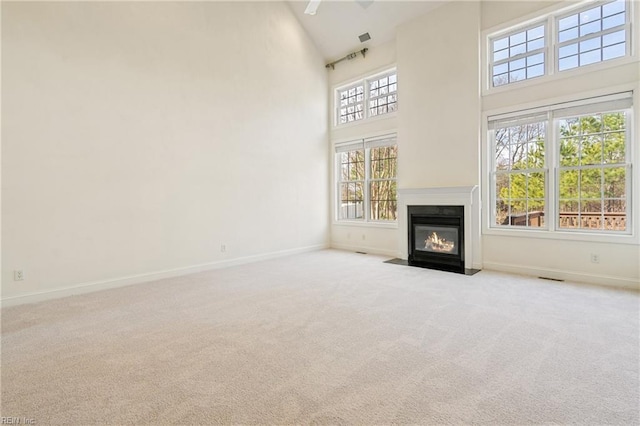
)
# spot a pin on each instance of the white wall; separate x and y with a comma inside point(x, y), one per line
point(369, 238)
point(140, 137)
point(561, 258)
point(438, 83)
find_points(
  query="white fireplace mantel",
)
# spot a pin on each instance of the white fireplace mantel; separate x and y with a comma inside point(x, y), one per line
point(467, 196)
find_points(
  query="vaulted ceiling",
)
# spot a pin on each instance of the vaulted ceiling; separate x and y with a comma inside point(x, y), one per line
point(337, 24)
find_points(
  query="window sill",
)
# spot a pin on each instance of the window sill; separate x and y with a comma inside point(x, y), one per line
point(563, 235)
point(368, 120)
point(363, 224)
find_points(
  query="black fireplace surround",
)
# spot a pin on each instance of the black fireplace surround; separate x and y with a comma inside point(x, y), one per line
point(436, 237)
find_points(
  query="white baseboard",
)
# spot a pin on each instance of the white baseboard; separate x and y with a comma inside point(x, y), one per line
point(605, 280)
point(365, 249)
point(90, 287)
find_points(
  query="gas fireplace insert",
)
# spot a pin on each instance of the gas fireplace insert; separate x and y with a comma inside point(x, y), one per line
point(436, 237)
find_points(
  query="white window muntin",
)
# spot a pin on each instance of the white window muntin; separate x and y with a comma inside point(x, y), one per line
point(365, 145)
point(617, 102)
point(518, 55)
point(592, 34)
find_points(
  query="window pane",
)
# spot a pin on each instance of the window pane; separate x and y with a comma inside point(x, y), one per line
point(613, 8)
point(518, 49)
point(590, 57)
point(535, 71)
point(568, 184)
point(500, 44)
point(569, 34)
point(518, 38)
point(615, 51)
point(535, 44)
point(613, 21)
point(568, 50)
point(569, 152)
point(568, 63)
point(535, 33)
point(615, 182)
point(590, 183)
point(383, 200)
point(535, 59)
point(517, 75)
point(590, 44)
point(568, 22)
point(384, 162)
point(590, 15)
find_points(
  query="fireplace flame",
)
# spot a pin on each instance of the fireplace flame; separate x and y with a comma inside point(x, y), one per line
point(435, 243)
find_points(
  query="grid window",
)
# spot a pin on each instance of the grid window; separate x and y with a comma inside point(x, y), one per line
point(352, 176)
point(592, 35)
point(382, 189)
point(592, 175)
point(520, 175)
point(370, 97)
point(366, 179)
point(518, 56)
point(351, 104)
point(591, 186)
point(383, 94)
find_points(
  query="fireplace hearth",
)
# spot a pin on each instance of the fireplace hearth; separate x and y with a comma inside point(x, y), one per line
point(436, 237)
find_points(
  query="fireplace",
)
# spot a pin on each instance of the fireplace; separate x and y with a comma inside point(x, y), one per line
point(436, 237)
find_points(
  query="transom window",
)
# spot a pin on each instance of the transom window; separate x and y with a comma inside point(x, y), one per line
point(373, 96)
point(592, 35)
point(366, 179)
point(590, 187)
point(518, 56)
point(351, 104)
point(383, 94)
point(559, 42)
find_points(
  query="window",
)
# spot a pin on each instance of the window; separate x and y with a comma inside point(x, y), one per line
point(351, 104)
point(366, 182)
point(591, 35)
point(560, 42)
point(518, 56)
point(383, 94)
point(590, 187)
point(379, 93)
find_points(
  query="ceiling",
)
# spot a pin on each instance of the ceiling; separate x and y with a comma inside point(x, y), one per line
point(338, 23)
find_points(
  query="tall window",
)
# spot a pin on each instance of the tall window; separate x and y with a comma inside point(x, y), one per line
point(366, 182)
point(590, 187)
point(373, 96)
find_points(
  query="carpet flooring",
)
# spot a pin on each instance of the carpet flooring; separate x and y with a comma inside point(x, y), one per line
point(328, 337)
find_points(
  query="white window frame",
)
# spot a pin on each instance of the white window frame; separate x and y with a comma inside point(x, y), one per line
point(558, 44)
point(365, 144)
point(506, 61)
point(551, 16)
point(365, 82)
point(552, 229)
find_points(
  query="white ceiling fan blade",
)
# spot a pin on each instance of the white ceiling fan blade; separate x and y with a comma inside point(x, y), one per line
point(312, 7)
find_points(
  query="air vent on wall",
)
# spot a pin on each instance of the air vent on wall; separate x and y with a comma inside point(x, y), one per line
point(364, 37)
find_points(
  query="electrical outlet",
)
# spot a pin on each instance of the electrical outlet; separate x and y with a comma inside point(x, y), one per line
point(595, 258)
point(223, 248)
point(18, 275)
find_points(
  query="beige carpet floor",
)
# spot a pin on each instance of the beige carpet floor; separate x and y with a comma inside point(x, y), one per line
point(328, 337)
